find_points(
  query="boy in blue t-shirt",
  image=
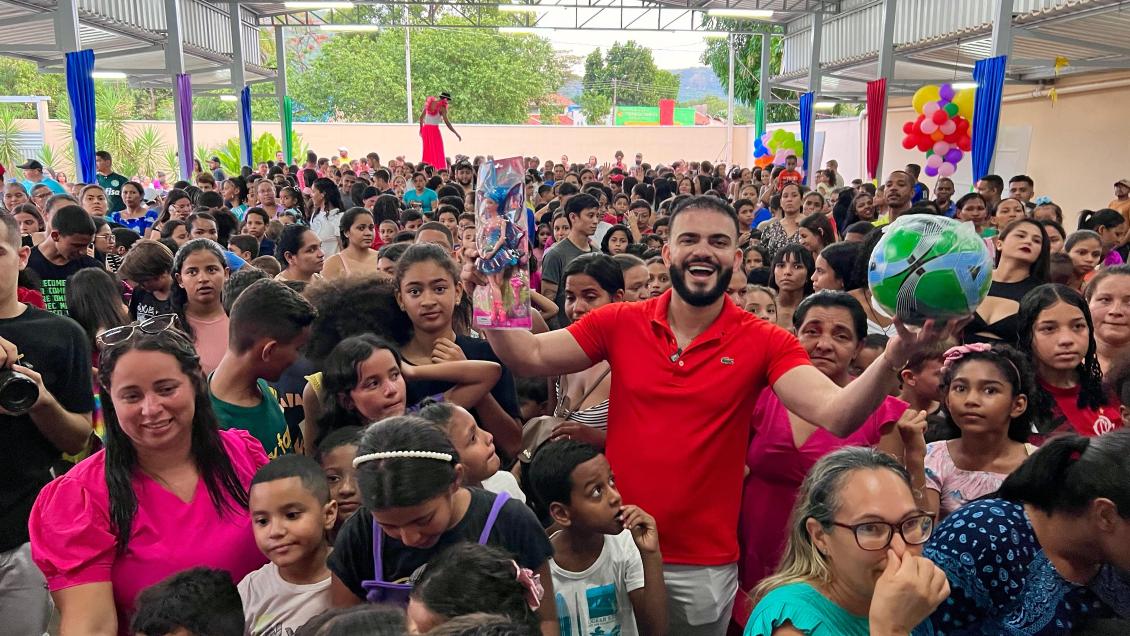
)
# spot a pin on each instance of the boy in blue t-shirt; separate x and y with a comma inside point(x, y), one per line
point(607, 568)
point(422, 198)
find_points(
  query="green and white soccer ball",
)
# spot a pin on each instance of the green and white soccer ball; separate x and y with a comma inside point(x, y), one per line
point(929, 267)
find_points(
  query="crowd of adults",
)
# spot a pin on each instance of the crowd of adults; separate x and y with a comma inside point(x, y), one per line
point(272, 379)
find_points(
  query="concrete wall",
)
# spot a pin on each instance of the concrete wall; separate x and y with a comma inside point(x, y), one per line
point(1074, 149)
point(547, 142)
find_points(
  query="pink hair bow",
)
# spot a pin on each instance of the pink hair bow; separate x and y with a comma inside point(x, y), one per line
point(532, 583)
point(953, 354)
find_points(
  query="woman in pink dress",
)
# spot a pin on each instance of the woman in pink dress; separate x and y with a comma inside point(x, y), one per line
point(831, 326)
point(168, 493)
point(435, 113)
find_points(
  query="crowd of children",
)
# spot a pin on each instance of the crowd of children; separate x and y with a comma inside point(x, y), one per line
point(259, 406)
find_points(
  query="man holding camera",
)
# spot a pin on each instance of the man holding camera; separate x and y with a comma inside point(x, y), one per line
point(45, 406)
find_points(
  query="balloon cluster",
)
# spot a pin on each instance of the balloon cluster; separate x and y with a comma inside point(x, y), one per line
point(942, 128)
point(776, 146)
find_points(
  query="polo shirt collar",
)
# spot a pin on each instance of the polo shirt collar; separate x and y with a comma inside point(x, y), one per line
point(730, 315)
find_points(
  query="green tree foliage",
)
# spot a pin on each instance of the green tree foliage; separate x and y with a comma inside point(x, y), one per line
point(627, 72)
point(20, 77)
point(493, 78)
point(747, 68)
point(717, 107)
point(595, 107)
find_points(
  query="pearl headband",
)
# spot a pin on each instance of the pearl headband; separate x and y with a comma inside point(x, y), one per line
point(361, 459)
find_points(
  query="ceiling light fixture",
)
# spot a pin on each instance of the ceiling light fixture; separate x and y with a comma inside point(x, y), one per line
point(740, 14)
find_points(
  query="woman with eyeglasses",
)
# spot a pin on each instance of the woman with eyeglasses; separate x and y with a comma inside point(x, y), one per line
point(831, 327)
point(1049, 556)
point(168, 493)
point(852, 565)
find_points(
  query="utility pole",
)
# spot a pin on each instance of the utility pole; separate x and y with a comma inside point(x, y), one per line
point(613, 102)
point(408, 70)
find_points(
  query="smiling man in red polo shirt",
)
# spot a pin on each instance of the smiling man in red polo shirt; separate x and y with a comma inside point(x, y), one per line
point(688, 367)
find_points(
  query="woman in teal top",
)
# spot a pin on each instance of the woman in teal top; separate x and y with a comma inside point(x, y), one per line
point(422, 195)
point(852, 565)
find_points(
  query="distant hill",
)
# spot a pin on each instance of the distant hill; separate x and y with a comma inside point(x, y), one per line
point(698, 82)
point(694, 84)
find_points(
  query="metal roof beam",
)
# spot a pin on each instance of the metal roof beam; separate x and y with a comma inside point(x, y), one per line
point(24, 19)
point(1059, 39)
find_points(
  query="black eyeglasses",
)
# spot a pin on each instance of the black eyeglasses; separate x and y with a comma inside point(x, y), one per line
point(118, 335)
point(876, 535)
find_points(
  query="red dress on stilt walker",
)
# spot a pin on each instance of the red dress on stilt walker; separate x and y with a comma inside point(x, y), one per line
point(434, 111)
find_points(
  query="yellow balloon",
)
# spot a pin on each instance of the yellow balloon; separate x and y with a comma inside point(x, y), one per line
point(924, 95)
point(964, 101)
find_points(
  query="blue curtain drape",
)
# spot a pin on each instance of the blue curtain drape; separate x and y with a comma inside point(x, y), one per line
point(245, 127)
point(80, 94)
point(989, 75)
point(806, 115)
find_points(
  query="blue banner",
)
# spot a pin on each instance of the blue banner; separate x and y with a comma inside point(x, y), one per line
point(989, 75)
point(80, 93)
point(245, 127)
point(806, 127)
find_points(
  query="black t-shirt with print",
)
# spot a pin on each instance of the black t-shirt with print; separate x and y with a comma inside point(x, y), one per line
point(54, 278)
point(56, 347)
point(504, 390)
point(145, 305)
point(516, 530)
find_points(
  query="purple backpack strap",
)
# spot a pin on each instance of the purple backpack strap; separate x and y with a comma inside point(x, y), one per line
point(499, 501)
point(378, 565)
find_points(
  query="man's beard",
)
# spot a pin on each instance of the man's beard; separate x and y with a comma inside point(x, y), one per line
point(704, 298)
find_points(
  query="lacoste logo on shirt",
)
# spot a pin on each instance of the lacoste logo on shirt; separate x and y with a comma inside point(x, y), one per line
point(728, 361)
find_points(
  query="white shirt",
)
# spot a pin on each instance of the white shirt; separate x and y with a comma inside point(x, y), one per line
point(327, 225)
point(504, 481)
point(273, 607)
point(596, 600)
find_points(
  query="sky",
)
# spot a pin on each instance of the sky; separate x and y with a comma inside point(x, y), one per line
point(670, 49)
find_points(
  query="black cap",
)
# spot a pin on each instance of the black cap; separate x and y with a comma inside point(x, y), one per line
point(31, 164)
point(216, 159)
point(445, 95)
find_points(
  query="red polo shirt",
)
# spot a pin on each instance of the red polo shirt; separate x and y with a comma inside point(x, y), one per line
point(678, 422)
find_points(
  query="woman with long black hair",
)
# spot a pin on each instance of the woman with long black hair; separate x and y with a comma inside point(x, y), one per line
point(325, 215)
point(130, 515)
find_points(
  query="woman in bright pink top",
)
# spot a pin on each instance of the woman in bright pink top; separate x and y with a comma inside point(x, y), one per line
point(831, 326)
point(168, 493)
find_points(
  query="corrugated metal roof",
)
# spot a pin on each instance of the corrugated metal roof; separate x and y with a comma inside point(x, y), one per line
point(959, 32)
point(115, 26)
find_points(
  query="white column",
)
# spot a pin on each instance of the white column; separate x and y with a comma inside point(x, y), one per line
point(814, 88)
point(174, 62)
point(886, 68)
point(238, 79)
point(280, 83)
point(730, 108)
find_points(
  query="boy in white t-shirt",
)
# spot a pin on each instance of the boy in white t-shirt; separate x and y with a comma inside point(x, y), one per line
point(291, 512)
point(607, 568)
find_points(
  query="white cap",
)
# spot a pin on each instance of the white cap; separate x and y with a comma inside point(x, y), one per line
point(341, 148)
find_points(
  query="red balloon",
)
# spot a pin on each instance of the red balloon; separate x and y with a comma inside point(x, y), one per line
point(925, 143)
point(909, 142)
point(908, 127)
point(965, 144)
point(940, 117)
